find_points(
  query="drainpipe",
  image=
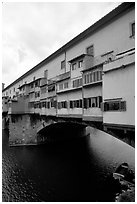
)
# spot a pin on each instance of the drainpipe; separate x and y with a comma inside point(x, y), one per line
point(56, 98)
point(82, 96)
point(65, 61)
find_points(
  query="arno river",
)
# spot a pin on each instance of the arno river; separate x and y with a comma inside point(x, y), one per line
point(74, 170)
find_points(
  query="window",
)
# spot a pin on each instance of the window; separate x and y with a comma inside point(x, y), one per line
point(37, 83)
point(77, 83)
point(31, 85)
point(48, 104)
point(132, 29)
point(59, 105)
point(62, 104)
point(92, 102)
point(90, 50)
point(52, 102)
point(93, 77)
point(65, 85)
point(74, 66)
point(85, 103)
point(114, 106)
point(99, 101)
point(75, 104)
point(55, 104)
point(71, 104)
point(60, 86)
point(14, 89)
point(51, 88)
point(43, 104)
point(80, 63)
point(43, 90)
point(37, 94)
point(63, 64)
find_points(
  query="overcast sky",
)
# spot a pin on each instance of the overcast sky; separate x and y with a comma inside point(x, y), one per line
point(33, 31)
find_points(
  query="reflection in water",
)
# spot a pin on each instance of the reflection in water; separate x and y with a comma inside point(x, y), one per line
point(75, 170)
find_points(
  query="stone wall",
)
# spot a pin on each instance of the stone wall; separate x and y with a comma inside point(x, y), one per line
point(23, 129)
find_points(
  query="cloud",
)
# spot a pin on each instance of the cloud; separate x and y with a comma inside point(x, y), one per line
point(33, 31)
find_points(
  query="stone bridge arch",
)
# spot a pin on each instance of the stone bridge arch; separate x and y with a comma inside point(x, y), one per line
point(61, 130)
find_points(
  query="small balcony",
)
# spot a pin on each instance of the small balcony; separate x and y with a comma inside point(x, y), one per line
point(32, 89)
point(118, 63)
point(43, 95)
point(52, 93)
point(62, 77)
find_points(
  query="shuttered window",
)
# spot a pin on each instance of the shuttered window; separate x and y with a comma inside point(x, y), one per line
point(114, 106)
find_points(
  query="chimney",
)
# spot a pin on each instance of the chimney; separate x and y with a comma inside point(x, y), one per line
point(3, 86)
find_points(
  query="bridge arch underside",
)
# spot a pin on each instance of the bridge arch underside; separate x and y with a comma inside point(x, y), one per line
point(61, 131)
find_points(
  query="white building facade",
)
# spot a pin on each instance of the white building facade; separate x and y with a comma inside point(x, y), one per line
point(91, 77)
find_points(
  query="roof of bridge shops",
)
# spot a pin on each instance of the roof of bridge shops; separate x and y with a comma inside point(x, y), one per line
point(106, 19)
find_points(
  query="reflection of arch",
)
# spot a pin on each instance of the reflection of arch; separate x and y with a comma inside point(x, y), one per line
point(60, 131)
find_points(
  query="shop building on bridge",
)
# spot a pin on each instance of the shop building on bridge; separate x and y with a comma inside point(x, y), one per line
point(92, 77)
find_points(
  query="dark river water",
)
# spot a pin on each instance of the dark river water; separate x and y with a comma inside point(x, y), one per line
point(74, 170)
